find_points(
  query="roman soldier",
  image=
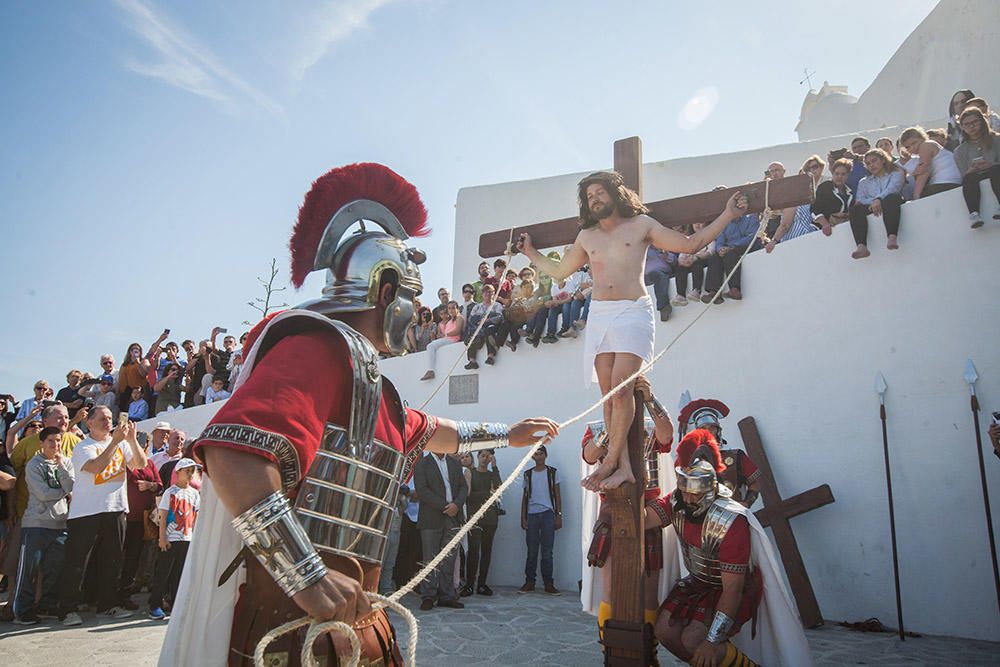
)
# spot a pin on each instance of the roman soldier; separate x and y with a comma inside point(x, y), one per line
point(304, 462)
point(659, 433)
point(741, 472)
point(721, 591)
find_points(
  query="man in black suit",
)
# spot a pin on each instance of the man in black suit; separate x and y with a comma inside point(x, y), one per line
point(438, 481)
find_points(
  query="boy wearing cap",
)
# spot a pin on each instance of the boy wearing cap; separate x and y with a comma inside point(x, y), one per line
point(178, 509)
point(102, 393)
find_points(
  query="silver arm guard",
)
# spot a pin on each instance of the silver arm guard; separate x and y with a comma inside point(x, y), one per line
point(473, 436)
point(656, 408)
point(721, 625)
point(275, 537)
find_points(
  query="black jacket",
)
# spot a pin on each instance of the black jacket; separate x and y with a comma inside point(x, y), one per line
point(829, 201)
point(430, 490)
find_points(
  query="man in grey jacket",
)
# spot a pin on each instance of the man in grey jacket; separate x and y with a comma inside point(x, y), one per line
point(49, 476)
point(440, 485)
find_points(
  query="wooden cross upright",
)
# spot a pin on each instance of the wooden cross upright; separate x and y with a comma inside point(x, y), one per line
point(776, 513)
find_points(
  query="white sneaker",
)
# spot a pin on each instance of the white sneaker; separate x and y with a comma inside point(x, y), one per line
point(580, 325)
point(117, 613)
point(694, 295)
point(679, 301)
point(72, 618)
point(975, 220)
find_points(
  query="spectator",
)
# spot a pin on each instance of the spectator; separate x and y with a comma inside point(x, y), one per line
point(49, 478)
point(885, 143)
point(132, 376)
point(410, 552)
point(936, 171)
point(108, 366)
point(859, 149)
point(70, 394)
point(955, 108)
point(991, 116)
point(441, 488)
point(42, 392)
point(562, 295)
point(168, 389)
point(441, 310)
point(878, 194)
point(102, 392)
point(158, 437)
point(484, 274)
point(797, 221)
point(178, 511)
point(138, 409)
point(449, 331)
point(174, 451)
point(978, 159)
point(657, 274)
point(521, 309)
point(483, 481)
point(52, 416)
point(97, 514)
point(200, 370)
point(423, 331)
point(217, 391)
point(692, 265)
point(833, 198)
point(223, 356)
point(468, 302)
point(8, 415)
point(30, 425)
point(908, 163)
point(8, 478)
point(142, 485)
point(729, 247)
point(499, 272)
point(541, 517)
point(386, 583)
point(171, 355)
point(994, 433)
point(488, 318)
point(577, 285)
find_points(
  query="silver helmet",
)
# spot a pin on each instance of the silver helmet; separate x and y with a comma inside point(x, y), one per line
point(355, 262)
point(698, 478)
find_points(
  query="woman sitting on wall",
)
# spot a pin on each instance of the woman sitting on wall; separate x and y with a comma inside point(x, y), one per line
point(978, 159)
point(878, 194)
point(936, 171)
point(833, 198)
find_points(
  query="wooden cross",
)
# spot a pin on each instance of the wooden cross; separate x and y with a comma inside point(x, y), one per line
point(776, 513)
point(676, 212)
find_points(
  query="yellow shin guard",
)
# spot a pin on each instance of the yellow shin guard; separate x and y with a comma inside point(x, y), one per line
point(736, 658)
point(650, 616)
point(603, 614)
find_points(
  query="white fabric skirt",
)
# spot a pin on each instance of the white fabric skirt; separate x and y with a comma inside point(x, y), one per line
point(618, 326)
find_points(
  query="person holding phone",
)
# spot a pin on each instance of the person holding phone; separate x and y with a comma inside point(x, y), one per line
point(978, 158)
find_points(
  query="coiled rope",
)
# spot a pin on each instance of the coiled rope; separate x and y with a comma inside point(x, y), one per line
point(317, 628)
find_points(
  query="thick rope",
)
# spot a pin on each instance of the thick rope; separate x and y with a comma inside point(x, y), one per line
point(494, 497)
point(468, 342)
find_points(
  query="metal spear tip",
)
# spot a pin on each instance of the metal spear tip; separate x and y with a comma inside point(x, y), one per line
point(880, 385)
point(684, 400)
point(971, 375)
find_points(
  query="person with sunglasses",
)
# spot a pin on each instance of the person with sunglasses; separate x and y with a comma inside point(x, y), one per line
point(796, 220)
point(42, 392)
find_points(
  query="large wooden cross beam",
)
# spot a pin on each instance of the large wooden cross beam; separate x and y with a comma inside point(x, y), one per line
point(776, 513)
point(676, 212)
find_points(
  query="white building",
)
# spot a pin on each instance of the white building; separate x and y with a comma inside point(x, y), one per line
point(800, 354)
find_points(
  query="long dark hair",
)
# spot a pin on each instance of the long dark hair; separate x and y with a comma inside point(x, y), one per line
point(128, 354)
point(627, 202)
point(987, 136)
point(951, 111)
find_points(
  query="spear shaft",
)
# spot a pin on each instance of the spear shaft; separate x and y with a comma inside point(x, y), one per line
point(986, 495)
point(892, 522)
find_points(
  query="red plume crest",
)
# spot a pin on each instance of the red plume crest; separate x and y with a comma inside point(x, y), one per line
point(685, 416)
point(340, 186)
point(699, 443)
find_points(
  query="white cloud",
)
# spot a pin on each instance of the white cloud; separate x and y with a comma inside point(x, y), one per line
point(184, 63)
point(697, 109)
point(331, 23)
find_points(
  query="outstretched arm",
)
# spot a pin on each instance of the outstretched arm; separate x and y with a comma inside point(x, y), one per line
point(574, 258)
point(666, 238)
point(522, 434)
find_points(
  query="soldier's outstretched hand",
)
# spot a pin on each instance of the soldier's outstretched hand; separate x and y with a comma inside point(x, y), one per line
point(335, 597)
point(527, 431)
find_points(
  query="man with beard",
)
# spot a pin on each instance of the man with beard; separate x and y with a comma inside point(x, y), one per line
point(614, 235)
point(741, 474)
point(484, 275)
point(303, 464)
point(734, 577)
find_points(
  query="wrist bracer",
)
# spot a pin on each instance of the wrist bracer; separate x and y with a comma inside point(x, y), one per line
point(720, 628)
point(275, 537)
point(473, 436)
point(656, 408)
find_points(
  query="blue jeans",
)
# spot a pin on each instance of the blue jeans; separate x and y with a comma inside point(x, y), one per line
point(586, 307)
point(541, 532)
point(571, 313)
point(43, 548)
point(660, 280)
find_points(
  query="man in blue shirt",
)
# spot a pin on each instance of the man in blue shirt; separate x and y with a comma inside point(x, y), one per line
point(729, 246)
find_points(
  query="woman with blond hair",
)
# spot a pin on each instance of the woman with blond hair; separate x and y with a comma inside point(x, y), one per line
point(878, 194)
point(936, 171)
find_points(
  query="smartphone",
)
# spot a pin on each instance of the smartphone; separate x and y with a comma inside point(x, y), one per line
point(996, 417)
point(166, 331)
point(141, 437)
point(223, 330)
point(47, 403)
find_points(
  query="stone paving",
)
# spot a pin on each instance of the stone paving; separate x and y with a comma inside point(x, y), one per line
point(508, 629)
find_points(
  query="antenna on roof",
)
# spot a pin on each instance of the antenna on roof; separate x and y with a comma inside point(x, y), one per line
point(806, 79)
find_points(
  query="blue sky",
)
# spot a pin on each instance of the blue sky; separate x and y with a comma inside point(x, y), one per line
point(154, 154)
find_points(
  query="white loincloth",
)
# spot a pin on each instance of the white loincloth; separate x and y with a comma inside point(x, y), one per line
point(618, 326)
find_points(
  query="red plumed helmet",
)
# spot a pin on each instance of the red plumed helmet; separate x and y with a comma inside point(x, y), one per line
point(340, 187)
point(699, 444)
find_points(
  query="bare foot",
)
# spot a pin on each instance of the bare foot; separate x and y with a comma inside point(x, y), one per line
point(861, 252)
point(429, 375)
point(592, 482)
point(892, 244)
point(827, 229)
point(623, 475)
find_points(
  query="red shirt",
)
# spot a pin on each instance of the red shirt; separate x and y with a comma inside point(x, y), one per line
point(735, 547)
point(300, 384)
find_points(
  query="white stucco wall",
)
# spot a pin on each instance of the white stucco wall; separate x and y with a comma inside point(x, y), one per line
point(800, 354)
point(956, 46)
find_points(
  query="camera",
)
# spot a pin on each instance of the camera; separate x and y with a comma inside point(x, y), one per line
point(47, 403)
point(88, 405)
